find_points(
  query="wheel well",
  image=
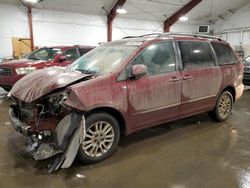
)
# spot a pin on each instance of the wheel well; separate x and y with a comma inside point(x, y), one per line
point(115, 113)
point(231, 90)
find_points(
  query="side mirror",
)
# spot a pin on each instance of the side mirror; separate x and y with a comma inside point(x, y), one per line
point(139, 71)
point(62, 59)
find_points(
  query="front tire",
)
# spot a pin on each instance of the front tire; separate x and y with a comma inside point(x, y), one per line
point(223, 107)
point(102, 138)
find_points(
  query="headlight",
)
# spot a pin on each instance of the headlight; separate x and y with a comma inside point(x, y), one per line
point(58, 98)
point(25, 70)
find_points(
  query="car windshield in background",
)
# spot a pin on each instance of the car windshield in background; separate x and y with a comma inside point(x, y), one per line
point(43, 54)
point(247, 60)
point(103, 59)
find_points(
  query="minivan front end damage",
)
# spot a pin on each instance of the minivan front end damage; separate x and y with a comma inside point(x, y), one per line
point(54, 130)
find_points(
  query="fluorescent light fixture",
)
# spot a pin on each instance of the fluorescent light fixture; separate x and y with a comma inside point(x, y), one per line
point(183, 18)
point(121, 11)
point(31, 1)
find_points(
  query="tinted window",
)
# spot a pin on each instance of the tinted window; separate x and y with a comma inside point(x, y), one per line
point(83, 51)
point(196, 54)
point(224, 54)
point(71, 54)
point(158, 58)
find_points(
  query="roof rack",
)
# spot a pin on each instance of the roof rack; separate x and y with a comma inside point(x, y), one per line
point(194, 35)
point(173, 33)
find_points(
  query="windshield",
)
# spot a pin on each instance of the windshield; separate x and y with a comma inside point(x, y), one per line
point(43, 54)
point(103, 59)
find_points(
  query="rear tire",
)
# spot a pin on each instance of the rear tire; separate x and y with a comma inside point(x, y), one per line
point(102, 138)
point(223, 107)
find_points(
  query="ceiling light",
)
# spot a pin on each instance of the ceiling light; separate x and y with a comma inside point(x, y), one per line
point(31, 1)
point(121, 11)
point(183, 18)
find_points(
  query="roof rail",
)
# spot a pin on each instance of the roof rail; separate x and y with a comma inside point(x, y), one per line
point(128, 37)
point(194, 35)
point(173, 33)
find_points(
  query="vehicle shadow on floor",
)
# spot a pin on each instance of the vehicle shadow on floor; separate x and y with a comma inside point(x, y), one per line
point(151, 139)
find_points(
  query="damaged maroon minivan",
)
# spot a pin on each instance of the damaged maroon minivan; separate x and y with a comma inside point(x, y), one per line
point(120, 88)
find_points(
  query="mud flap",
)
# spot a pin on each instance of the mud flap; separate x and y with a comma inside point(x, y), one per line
point(69, 134)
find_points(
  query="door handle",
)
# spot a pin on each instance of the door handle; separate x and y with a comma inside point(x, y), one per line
point(175, 79)
point(187, 77)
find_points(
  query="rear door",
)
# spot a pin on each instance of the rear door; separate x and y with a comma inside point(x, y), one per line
point(201, 76)
point(155, 97)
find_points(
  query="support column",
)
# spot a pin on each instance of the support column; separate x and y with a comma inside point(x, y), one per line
point(29, 8)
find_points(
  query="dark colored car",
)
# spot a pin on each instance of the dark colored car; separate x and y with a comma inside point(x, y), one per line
point(246, 76)
point(12, 71)
point(120, 88)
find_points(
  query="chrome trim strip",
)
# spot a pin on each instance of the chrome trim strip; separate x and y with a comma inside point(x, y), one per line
point(155, 109)
point(194, 100)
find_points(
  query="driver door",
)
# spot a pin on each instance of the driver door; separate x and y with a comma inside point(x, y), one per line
point(156, 97)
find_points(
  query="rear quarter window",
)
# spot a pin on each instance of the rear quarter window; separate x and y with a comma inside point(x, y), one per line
point(224, 53)
point(196, 54)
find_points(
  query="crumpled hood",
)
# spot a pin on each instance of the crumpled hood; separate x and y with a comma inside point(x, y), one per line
point(41, 82)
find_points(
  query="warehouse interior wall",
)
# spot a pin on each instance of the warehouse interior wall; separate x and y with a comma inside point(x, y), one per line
point(64, 28)
point(236, 29)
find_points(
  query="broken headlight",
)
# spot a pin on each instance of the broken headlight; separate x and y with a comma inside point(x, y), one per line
point(52, 104)
point(58, 98)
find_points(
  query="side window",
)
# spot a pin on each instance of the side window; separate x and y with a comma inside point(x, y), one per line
point(224, 54)
point(196, 54)
point(71, 54)
point(159, 58)
point(83, 51)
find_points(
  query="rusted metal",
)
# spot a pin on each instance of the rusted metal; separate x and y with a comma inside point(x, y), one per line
point(29, 8)
point(175, 17)
point(111, 16)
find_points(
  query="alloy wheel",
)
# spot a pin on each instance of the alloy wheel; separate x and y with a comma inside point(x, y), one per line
point(225, 106)
point(98, 139)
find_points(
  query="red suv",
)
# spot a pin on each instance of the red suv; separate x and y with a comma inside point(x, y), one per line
point(120, 88)
point(12, 71)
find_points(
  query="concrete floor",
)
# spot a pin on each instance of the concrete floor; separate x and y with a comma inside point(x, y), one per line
point(194, 152)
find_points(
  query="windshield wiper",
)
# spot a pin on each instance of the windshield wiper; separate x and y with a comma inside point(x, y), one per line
point(34, 58)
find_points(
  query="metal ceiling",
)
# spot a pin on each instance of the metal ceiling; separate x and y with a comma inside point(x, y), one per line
point(153, 10)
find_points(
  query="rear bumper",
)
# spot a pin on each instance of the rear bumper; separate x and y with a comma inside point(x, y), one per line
point(239, 91)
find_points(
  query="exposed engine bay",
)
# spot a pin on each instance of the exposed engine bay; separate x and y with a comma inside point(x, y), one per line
point(53, 129)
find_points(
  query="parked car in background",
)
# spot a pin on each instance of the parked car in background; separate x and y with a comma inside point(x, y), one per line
point(12, 71)
point(122, 87)
point(246, 76)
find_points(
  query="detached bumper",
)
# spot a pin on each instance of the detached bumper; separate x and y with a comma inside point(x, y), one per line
point(66, 140)
point(17, 124)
